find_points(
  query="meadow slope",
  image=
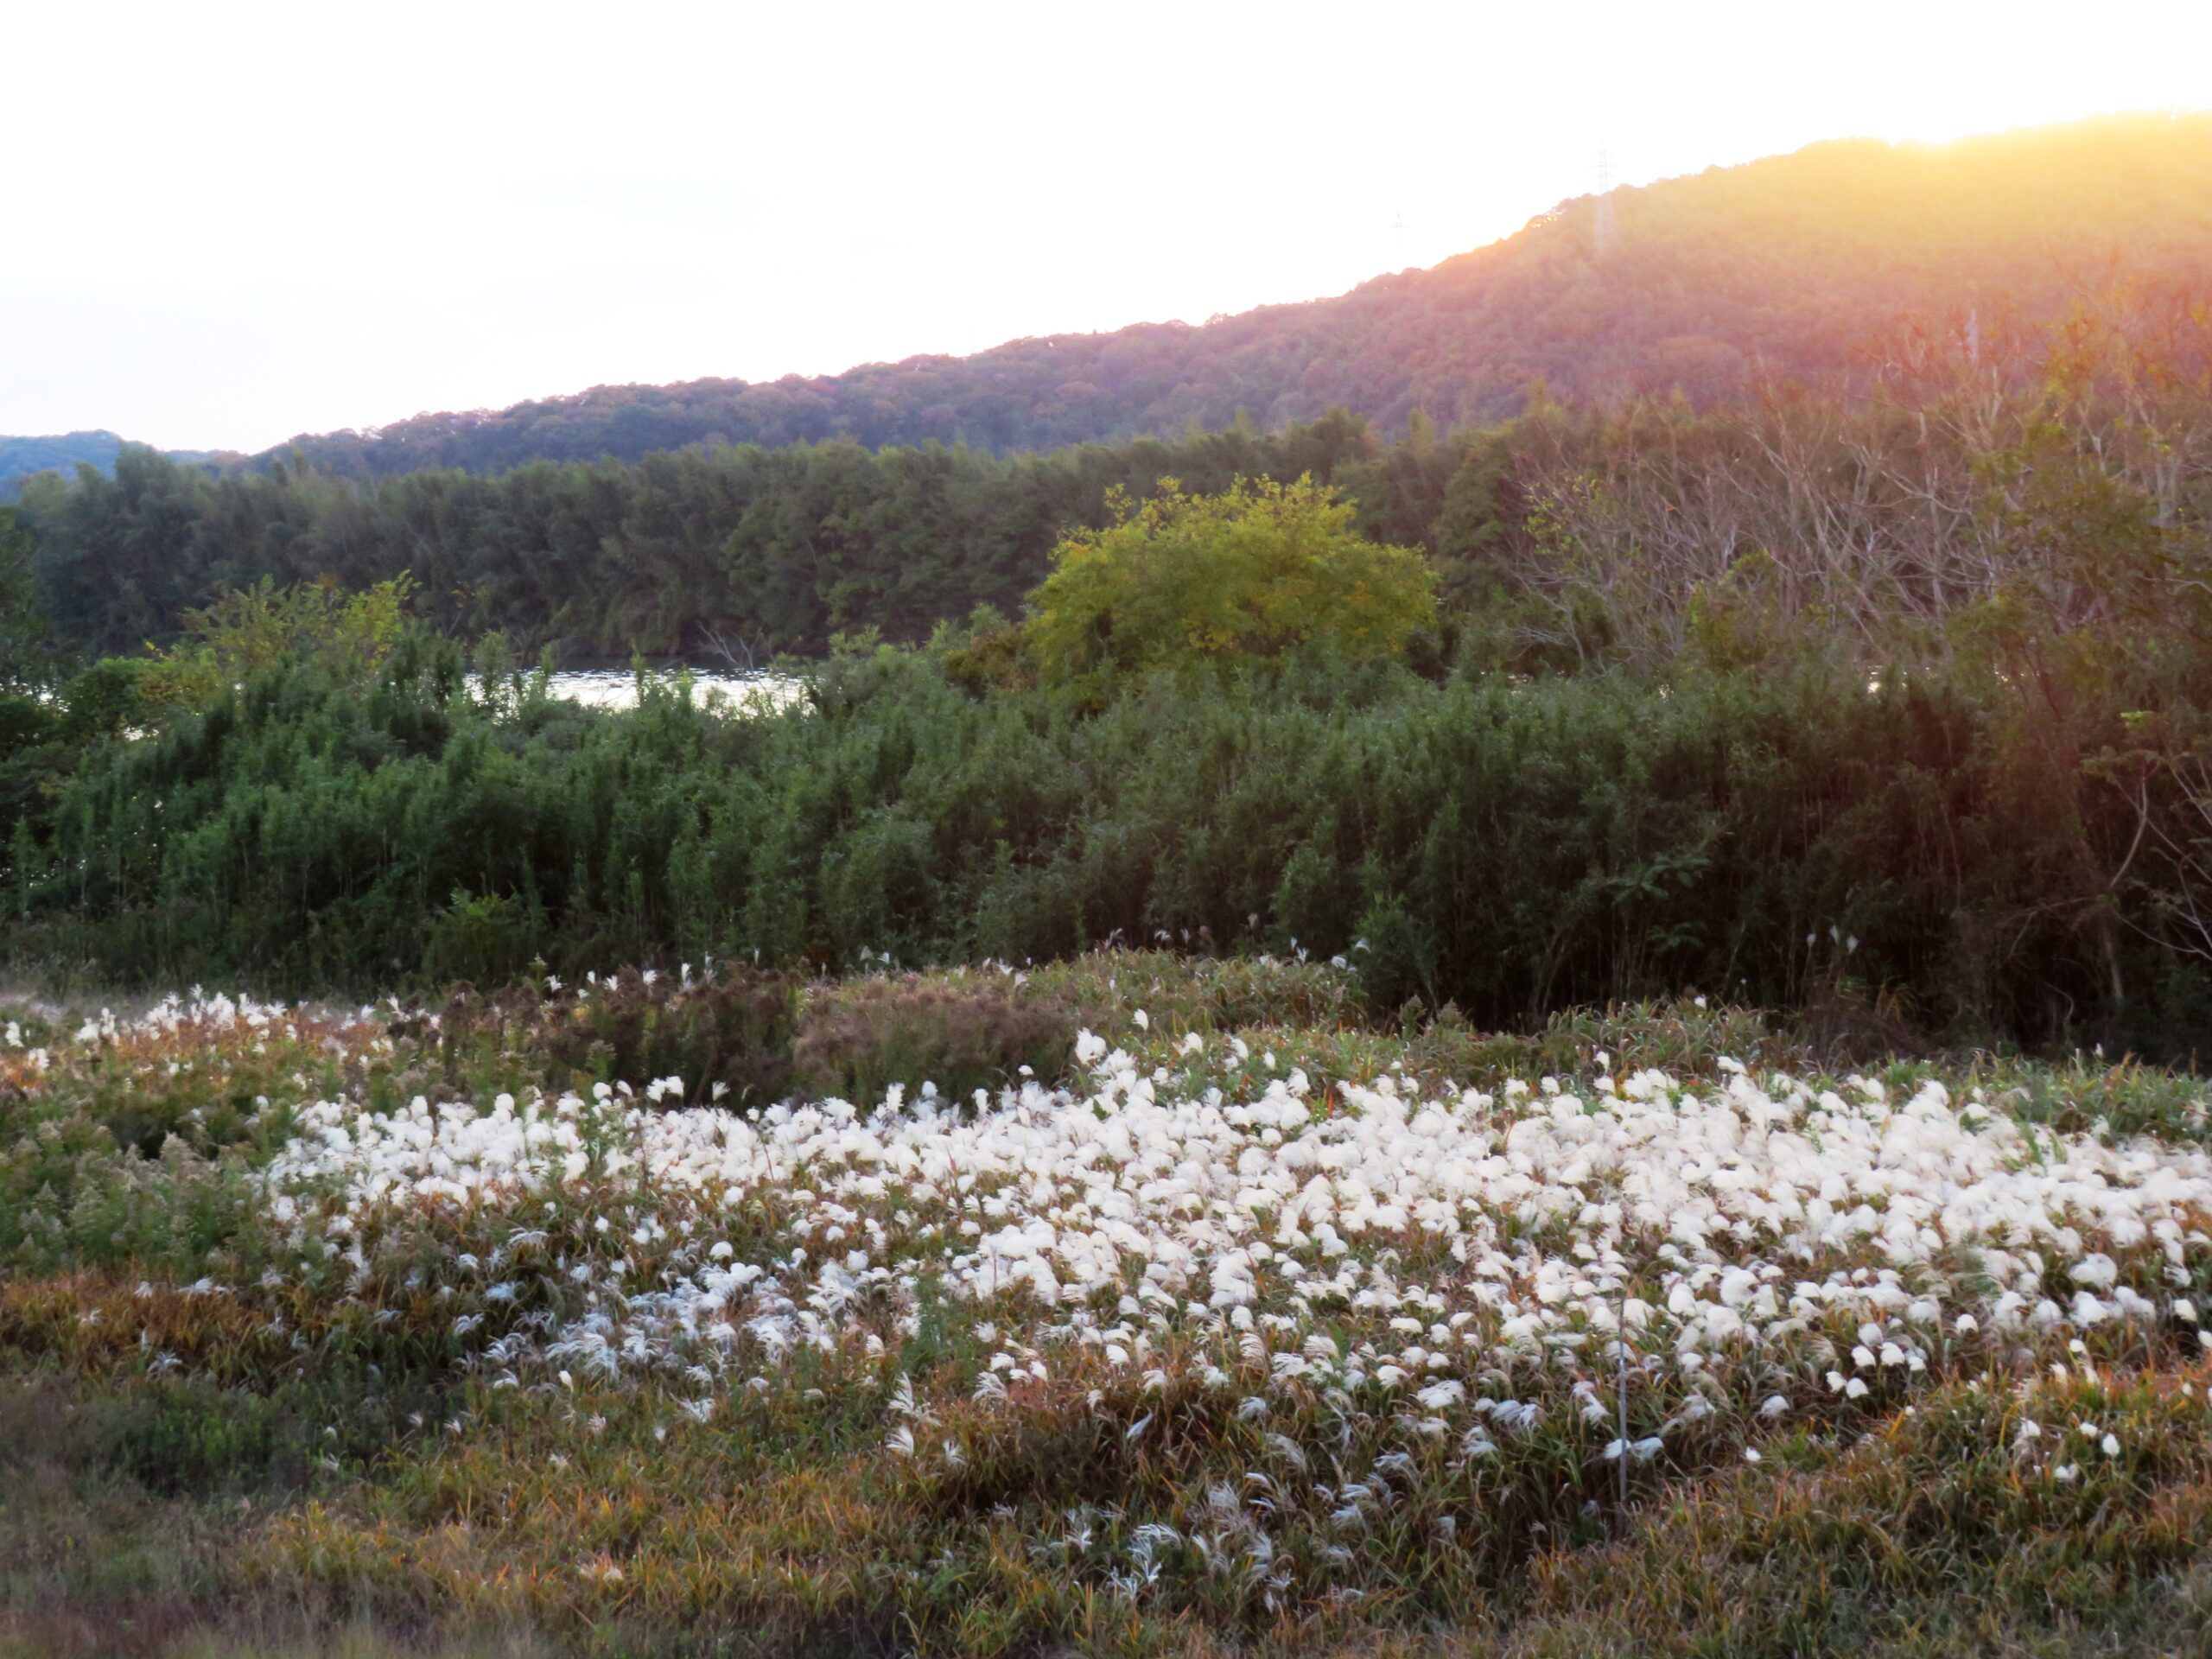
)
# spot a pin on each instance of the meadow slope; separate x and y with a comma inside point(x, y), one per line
point(691, 1312)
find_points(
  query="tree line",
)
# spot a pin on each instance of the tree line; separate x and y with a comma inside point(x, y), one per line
point(756, 550)
point(2063, 466)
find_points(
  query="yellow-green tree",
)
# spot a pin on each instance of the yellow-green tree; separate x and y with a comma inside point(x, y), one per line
point(254, 627)
point(1260, 569)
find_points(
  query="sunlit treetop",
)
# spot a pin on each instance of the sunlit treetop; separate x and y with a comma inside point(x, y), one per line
point(1260, 569)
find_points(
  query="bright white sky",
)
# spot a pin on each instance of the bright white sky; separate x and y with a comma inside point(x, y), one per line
point(232, 222)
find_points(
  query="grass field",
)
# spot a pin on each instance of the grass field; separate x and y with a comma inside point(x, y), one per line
point(1133, 1305)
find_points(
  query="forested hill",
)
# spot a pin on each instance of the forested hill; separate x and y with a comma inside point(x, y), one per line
point(24, 457)
point(1820, 266)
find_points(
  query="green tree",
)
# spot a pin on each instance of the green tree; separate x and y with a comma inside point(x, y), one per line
point(1261, 568)
point(32, 753)
point(257, 628)
point(24, 651)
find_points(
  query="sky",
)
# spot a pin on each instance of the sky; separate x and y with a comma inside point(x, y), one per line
point(230, 223)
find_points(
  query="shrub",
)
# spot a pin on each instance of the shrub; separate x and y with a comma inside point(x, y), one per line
point(1512, 846)
point(481, 937)
point(856, 1039)
point(1105, 989)
point(733, 1028)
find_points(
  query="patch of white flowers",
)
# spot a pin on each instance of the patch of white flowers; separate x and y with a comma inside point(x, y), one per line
point(1452, 1253)
point(1386, 1290)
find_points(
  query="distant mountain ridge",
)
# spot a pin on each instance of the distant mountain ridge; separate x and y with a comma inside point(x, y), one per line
point(22, 458)
point(1806, 265)
point(1815, 266)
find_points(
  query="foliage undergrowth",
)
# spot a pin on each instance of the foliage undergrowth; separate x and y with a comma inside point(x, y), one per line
point(1906, 864)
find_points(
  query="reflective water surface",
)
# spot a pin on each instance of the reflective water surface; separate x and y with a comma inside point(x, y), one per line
point(617, 687)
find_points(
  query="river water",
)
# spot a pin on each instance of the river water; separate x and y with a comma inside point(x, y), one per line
point(617, 687)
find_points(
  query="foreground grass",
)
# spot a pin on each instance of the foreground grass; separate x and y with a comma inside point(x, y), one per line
point(1925, 1538)
point(224, 1433)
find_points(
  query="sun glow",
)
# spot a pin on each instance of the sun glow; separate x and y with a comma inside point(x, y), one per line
point(539, 204)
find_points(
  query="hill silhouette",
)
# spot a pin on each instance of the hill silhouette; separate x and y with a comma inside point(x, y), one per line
point(1819, 266)
point(24, 457)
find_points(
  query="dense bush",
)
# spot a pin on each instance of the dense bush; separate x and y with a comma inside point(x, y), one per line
point(729, 1035)
point(1979, 861)
point(743, 1035)
point(857, 1040)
